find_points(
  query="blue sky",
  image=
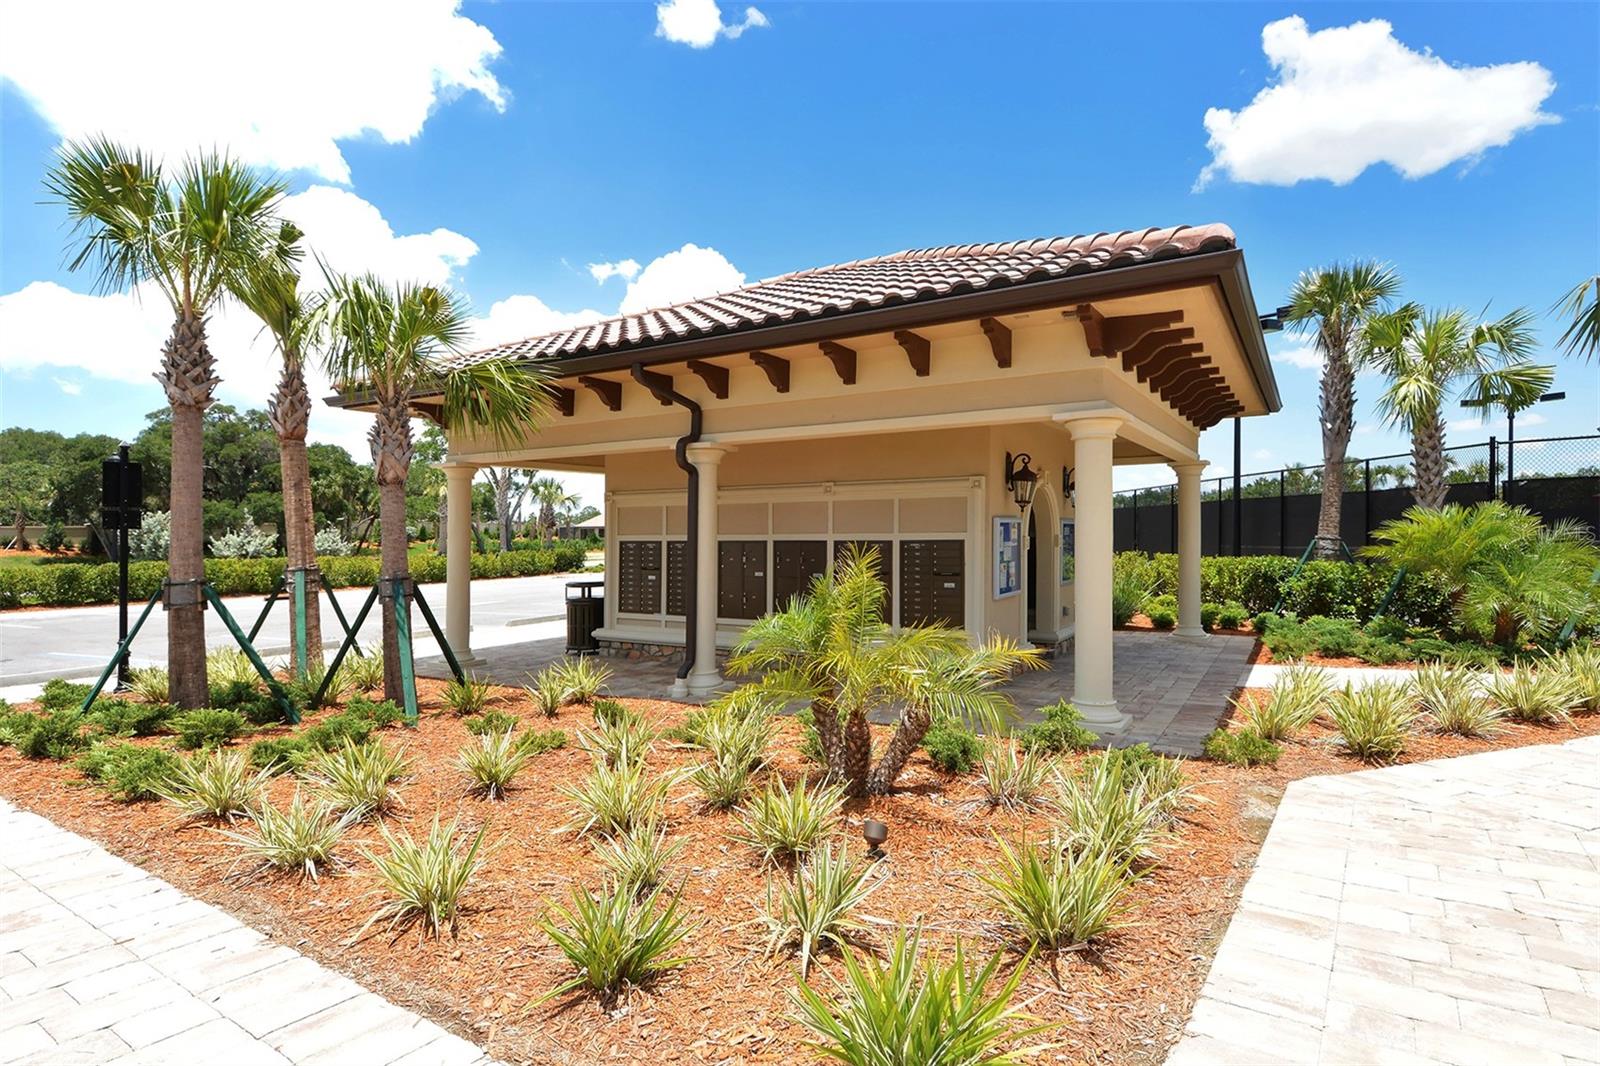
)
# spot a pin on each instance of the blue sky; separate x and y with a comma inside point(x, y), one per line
point(507, 147)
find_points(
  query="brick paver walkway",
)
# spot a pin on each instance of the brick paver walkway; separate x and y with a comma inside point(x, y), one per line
point(102, 963)
point(1441, 912)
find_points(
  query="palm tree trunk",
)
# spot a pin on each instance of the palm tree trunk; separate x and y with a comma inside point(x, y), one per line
point(391, 460)
point(856, 754)
point(1427, 462)
point(289, 410)
point(1337, 408)
point(907, 735)
point(188, 374)
point(442, 516)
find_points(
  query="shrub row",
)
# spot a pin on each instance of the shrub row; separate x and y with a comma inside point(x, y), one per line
point(76, 584)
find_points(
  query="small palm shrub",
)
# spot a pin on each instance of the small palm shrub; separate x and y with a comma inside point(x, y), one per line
point(582, 677)
point(784, 823)
point(1057, 897)
point(364, 671)
point(1061, 731)
point(1545, 697)
point(495, 721)
point(1451, 702)
point(952, 747)
point(615, 799)
point(148, 683)
point(723, 782)
point(468, 696)
point(216, 783)
point(906, 1011)
point(813, 909)
point(359, 779)
point(1301, 694)
point(425, 878)
point(130, 772)
point(1243, 748)
point(621, 740)
point(539, 741)
point(1012, 778)
point(300, 838)
point(492, 761)
point(206, 727)
point(225, 666)
point(1107, 813)
point(636, 861)
point(1375, 721)
point(616, 941)
point(548, 690)
point(1581, 664)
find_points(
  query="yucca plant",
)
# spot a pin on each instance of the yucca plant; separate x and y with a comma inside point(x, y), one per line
point(1451, 702)
point(784, 823)
point(907, 1011)
point(424, 879)
point(216, 784)
point(1057, 897)
point(636, 861)
point(813, 909)
point(148, 683)
point(1375, 721)
point(582, 677)
point(1301, 694)
point(337, 689)
point(1107, 813)
point(364, 672)
point(723, 782)
point(548, 690)
point(1013, 778)
point(615, 799)
point(1545, 697)
point(299, 838)
point(468, 696)
point(230, 666)
point(359, 779)
point(492, 761)
point(736, 738)
point(616, 941)
point(625, 739)
point(1581, 664)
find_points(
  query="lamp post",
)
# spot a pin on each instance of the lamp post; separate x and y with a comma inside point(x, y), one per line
point(1511, 430)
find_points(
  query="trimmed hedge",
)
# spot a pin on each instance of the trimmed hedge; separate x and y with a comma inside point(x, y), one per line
point(78, 584)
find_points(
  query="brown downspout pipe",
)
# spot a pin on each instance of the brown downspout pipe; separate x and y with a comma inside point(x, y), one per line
point(660, 386)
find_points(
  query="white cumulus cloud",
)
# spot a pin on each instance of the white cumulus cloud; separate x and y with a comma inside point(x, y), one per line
point(686, 274)
point(623, 268)
point(1306, 357)
point(68, 386)
point(1351, 97)
point(307, 74)
point(524, 315)
point(351, 235)
point(698, 23)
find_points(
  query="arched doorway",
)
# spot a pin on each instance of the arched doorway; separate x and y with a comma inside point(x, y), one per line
point(1042, 595)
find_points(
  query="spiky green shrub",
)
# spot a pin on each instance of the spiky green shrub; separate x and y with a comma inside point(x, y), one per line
point(1527, 694)
point(492, 761)
point(365, 671)
point(300, 838)
point(1243, 748)
point(1451, 702)
point(952, 746)
point(1014, 778)
point(813, 909)
point(907, 1011)
point(54, 735)
point(723, 782)
point(1581, 664)
point(495, 721)
point(1129, 591)
point(468, 696)
point(548, 690)
point(120, 718)
point(1302, 692)
point(1375, 721)
point(225, 666)
point(539, 741)
point(206, 727)
point(216, 783)
point(636, 861)
point(60, 695)
point(1161, 779)
point(611, 711)
point(424, 879)
point(615, 799)
point(738, 737)
point(583, 677)
point(1106, 812)
point(148, 683)
point(359, 779)
point(1054, 896)
point(130, 772)
point(281, 754)
point(303, 692)
point(784, 823)
point(1061, 731)
point(616, 941)
point(618, 741)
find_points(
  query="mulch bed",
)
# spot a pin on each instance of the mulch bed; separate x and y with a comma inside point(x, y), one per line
point(1125, 1002)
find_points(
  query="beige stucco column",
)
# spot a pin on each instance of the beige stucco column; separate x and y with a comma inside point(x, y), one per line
point(1092, 440)
point(1189, 627)
point(458, 559)
point(704, 676)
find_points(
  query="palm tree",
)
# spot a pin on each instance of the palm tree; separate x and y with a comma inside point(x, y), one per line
point(832, 649)
point(272, 292)
point(188, 235)
point(1427, 356)
point(385, 341)
point(509, 485)
point(1336, 301)
point(551, 496)
point(1581, 304)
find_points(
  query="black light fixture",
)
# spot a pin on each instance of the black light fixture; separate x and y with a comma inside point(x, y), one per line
point(875, 833)
point(1021, 480)
point(1069, 488)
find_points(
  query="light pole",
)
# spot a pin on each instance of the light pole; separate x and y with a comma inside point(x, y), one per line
point(1511, 429)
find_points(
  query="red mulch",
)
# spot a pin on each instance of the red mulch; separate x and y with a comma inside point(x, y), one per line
point(1124, 1003)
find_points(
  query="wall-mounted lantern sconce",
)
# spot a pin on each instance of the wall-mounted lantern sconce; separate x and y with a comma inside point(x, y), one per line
point(1020, 479)
point(1069, 488)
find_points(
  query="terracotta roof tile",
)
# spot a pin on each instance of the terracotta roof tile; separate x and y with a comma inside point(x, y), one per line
point(916, 274)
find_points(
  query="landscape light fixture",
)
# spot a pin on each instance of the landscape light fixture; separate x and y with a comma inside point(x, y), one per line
point(1069, 488)
point(875, 833)
point(1020, 479)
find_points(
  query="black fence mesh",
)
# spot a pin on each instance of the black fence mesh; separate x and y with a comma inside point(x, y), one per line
point(1555, 477)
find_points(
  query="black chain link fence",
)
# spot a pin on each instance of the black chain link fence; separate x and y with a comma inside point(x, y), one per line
point(1554, 477)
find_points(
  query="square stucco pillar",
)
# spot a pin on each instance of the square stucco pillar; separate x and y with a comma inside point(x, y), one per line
point(704, 677)
point(458, 559)
point(1189, 627)
point(1092, 440)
